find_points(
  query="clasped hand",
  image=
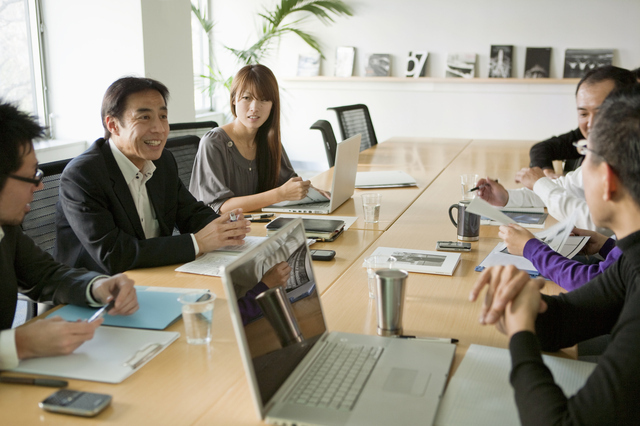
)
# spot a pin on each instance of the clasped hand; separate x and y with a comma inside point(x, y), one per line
point(512, 301)
point(222, 232)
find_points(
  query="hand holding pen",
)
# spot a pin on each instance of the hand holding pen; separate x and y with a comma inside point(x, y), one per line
point(492, 192)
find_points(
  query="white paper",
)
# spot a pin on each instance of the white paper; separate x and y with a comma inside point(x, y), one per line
point(482, 208)
point(348, 220)
point(249, 243)
point(421, 261)
point(208, 264)
point(479, 393)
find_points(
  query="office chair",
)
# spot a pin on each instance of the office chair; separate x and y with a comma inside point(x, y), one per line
point(329, 138)
point(40, 223)
point(184, 150)
point(355, 119)
point(196, 128)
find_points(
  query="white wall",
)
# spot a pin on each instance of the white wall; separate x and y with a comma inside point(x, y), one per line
point(505, 111)
point(90, 44)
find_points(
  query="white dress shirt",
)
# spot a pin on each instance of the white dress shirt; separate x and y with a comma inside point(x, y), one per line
point(561, 197)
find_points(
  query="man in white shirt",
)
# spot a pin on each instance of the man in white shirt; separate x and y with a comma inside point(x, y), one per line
point(121, 200)
point(564, 195)
point(26, 268)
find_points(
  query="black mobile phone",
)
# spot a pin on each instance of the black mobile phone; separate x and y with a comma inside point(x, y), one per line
point(453, 246)
point(322, 254)
point(77, 403)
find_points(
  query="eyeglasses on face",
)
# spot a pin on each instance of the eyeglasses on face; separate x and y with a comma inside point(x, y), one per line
point(35, 180)
point(581, 147)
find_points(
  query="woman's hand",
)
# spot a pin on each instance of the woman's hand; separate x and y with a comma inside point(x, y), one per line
point(294, 189)
point(515, 237)
point(595, 243)
point(277, 275)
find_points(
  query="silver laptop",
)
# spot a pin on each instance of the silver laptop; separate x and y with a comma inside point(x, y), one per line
point(344, 180)
point(324, 378)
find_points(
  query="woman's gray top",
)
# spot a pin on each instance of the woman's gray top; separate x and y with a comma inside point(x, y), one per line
point(220, 172)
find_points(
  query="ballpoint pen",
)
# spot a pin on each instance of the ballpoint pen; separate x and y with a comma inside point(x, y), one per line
point(35, 382)
point(258, 216)
point(481, 186)
point(429, 339)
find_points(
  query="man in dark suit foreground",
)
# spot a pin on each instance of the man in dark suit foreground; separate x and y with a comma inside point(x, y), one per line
point(26, 268)
point(121, 199)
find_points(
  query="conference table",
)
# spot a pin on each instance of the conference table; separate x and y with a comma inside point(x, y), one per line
point(189, 384)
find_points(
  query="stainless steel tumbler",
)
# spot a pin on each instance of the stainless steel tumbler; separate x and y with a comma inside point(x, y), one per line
point(391, 285)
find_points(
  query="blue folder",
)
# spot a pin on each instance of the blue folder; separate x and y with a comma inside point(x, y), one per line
point(158, 309)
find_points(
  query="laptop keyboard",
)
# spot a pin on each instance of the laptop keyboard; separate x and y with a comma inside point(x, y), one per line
point(336, 377)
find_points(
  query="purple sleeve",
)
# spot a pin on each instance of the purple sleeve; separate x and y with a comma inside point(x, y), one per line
point(247, 304)
point(568, 274)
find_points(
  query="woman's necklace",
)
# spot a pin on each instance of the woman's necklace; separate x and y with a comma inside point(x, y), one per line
point(250, 150)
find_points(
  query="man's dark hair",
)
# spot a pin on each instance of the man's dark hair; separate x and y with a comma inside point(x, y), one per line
point(636, 73)
point(17, 132)
point(616, 137)
point(622, 78)
point(114, 102)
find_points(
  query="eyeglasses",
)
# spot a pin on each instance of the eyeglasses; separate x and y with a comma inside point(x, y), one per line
point(36, 180)
point(581, 147)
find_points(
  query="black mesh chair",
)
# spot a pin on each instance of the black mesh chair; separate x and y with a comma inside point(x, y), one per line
point(40, 222)
point(184, 150)
point(198, 128)
point(354, 119)
point(329, 138)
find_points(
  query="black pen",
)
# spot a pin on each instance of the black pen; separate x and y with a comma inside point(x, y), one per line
point(429, 339)
point(481, 186)
point(35, 382)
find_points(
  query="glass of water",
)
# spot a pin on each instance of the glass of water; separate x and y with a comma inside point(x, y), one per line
point(373, 263)
point(197, 314)
point(371, 207)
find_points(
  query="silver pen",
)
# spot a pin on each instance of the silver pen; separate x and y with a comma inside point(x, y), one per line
point(429, 339)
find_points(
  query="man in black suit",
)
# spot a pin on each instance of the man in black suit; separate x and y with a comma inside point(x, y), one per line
point(121, 199)
point(26, 268)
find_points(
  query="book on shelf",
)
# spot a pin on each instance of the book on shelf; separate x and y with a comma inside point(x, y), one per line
point(461, 65)
point(378, 65)
point(421, 261)
point(500, 61)
point(345, 57)
point(416, 64)
point(537, 62)
point(578, 62)
point(309, 65)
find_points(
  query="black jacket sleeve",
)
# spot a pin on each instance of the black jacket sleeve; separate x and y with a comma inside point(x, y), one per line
point(605, 304)
point(560, 147)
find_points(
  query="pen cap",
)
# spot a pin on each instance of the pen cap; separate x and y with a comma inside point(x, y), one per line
point(278, 311)
point(391, 284)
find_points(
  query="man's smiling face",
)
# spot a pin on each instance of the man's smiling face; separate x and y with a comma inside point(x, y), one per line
point(143, 131)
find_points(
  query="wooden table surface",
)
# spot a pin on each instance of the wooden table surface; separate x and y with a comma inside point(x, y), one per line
point(187, 384)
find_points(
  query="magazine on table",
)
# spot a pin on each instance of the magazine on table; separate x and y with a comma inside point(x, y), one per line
point(421, 261)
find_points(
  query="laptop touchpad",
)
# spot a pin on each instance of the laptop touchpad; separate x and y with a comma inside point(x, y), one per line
point(406, 381)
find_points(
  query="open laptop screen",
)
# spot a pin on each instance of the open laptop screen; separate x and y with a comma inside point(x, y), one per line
point(273, 357)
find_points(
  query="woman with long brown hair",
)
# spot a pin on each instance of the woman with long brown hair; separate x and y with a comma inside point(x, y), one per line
point(243, 164)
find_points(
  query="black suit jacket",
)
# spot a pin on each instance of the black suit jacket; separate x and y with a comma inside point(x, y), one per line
point(24, 267)
point(97, 222)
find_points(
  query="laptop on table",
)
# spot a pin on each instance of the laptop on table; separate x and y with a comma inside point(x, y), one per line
point(342, 187)
point(331, 378)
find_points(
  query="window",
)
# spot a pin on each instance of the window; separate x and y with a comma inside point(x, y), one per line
point(21, 77)
point(201, 57)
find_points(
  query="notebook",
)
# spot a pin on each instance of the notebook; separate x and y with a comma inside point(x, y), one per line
point(394, 381)
point(320, 229)
point(384, 179)
point(344, 180)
